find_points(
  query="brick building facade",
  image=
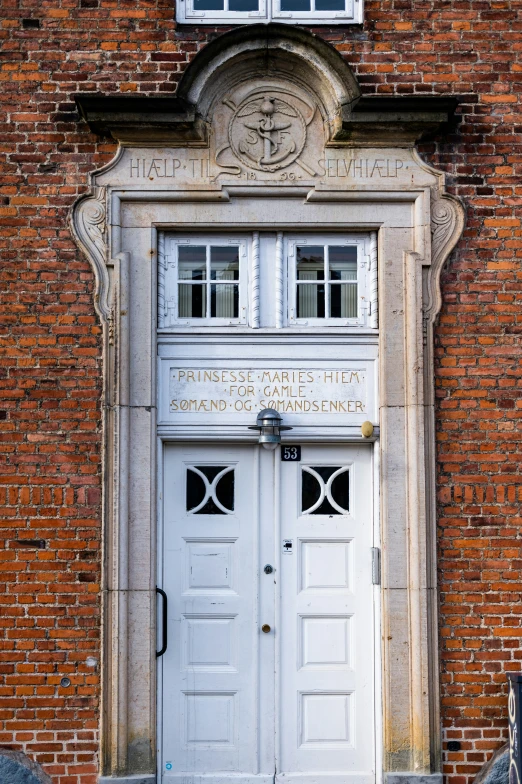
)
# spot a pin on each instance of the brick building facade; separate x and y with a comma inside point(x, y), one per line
point(51, 558)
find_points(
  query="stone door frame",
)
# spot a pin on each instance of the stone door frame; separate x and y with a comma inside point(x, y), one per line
point(118, 225)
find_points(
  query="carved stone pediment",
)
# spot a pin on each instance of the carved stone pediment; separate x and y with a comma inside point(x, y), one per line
point(270, 54)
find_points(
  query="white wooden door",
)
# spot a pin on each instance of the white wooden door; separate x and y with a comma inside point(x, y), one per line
point(296, 702)
point(326, 637)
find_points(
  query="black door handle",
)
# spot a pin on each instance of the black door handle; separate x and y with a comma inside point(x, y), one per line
point(164, 640)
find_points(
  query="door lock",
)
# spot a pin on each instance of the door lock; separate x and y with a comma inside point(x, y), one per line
point(268, 569)
point(265, 628)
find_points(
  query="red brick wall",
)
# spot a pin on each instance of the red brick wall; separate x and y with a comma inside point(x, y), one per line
point(50, 360)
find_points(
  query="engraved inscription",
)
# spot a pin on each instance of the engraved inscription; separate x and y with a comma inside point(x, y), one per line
point(205, 390)
point(360, 168)
point(267, 145)
point(168, 168)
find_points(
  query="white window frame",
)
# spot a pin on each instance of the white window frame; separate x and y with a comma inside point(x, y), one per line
point(362, 243)
point(170, 317)
point(270, 10)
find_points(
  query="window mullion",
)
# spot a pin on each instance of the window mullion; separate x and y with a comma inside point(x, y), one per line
point(326, 282)
point(175, 293)
point(208, 298)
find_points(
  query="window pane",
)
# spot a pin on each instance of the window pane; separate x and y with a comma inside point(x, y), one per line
point(330, 5)
point(210, 490)
point(224, 300)
point(310, 300)
point(295, 5)
point(208, 5)
point(343, 300)
point(192, 300)
point(243, 5)
point(314, 482)
point(192, 263)
point(310, 263)
point(343, 263)
point(224, 263)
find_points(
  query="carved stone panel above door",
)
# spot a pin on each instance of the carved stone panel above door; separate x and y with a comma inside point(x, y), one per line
point(267, 129)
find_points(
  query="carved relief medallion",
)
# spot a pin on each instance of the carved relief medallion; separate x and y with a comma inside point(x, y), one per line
point(267, 133)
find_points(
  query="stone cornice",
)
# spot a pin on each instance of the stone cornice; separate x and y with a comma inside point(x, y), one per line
point(142, 120)
point(370, 121)
point(401, 121)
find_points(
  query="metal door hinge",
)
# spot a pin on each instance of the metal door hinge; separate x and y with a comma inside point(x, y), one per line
point(376, 565)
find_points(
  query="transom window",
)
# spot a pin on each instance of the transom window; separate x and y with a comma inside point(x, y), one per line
point(292, 11)
point(204, 281)
point(202, 292)
point(326, 281)
point(268, 280)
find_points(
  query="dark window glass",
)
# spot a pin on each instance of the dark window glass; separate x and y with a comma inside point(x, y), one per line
point(314, 481)
point(310, 301)
point(310, 263)
point(224, 263)
point(192, 300)
point(243, 5)
point(343, 300)
point(192, 262)
point(330, 5)
point(210, 490)
point(295, 5)
point(195, 489)
point(208, 5)
point(342, 262)
point(224, 300)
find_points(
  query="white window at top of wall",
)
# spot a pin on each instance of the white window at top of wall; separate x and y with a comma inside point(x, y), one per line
point(303, 280)
point(328, 280)
point(203, 281)
point(255, 11)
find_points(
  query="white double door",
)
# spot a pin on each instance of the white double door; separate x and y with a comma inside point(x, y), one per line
point(269, 670)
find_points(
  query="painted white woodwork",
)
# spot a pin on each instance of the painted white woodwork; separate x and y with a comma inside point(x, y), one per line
point(361, 294)
point(197, 11)
point(271, 271)
point(374, 282)
point(177, 286)
point(255, 287)
point(279, 282)
point(326, 702)
point(162, 268)
point(211, 670)
point(297, 702)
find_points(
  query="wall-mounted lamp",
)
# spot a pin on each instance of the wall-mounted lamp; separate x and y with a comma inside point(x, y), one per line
point(268, 424)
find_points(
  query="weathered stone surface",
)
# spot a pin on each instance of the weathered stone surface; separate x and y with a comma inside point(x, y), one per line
point(16, 768)
point(496, 771)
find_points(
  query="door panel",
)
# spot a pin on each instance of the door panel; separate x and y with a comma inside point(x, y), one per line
point(296, 702)
point(326, 704)
point(211, 667)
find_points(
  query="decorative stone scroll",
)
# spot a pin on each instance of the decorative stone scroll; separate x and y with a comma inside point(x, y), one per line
point(88, 226)
point(447, 224)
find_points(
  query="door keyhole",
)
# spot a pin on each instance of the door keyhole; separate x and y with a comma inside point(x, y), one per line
point(268, 569)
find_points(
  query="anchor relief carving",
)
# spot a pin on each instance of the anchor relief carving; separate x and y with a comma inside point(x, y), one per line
point(268, 129)
point(267, 133)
